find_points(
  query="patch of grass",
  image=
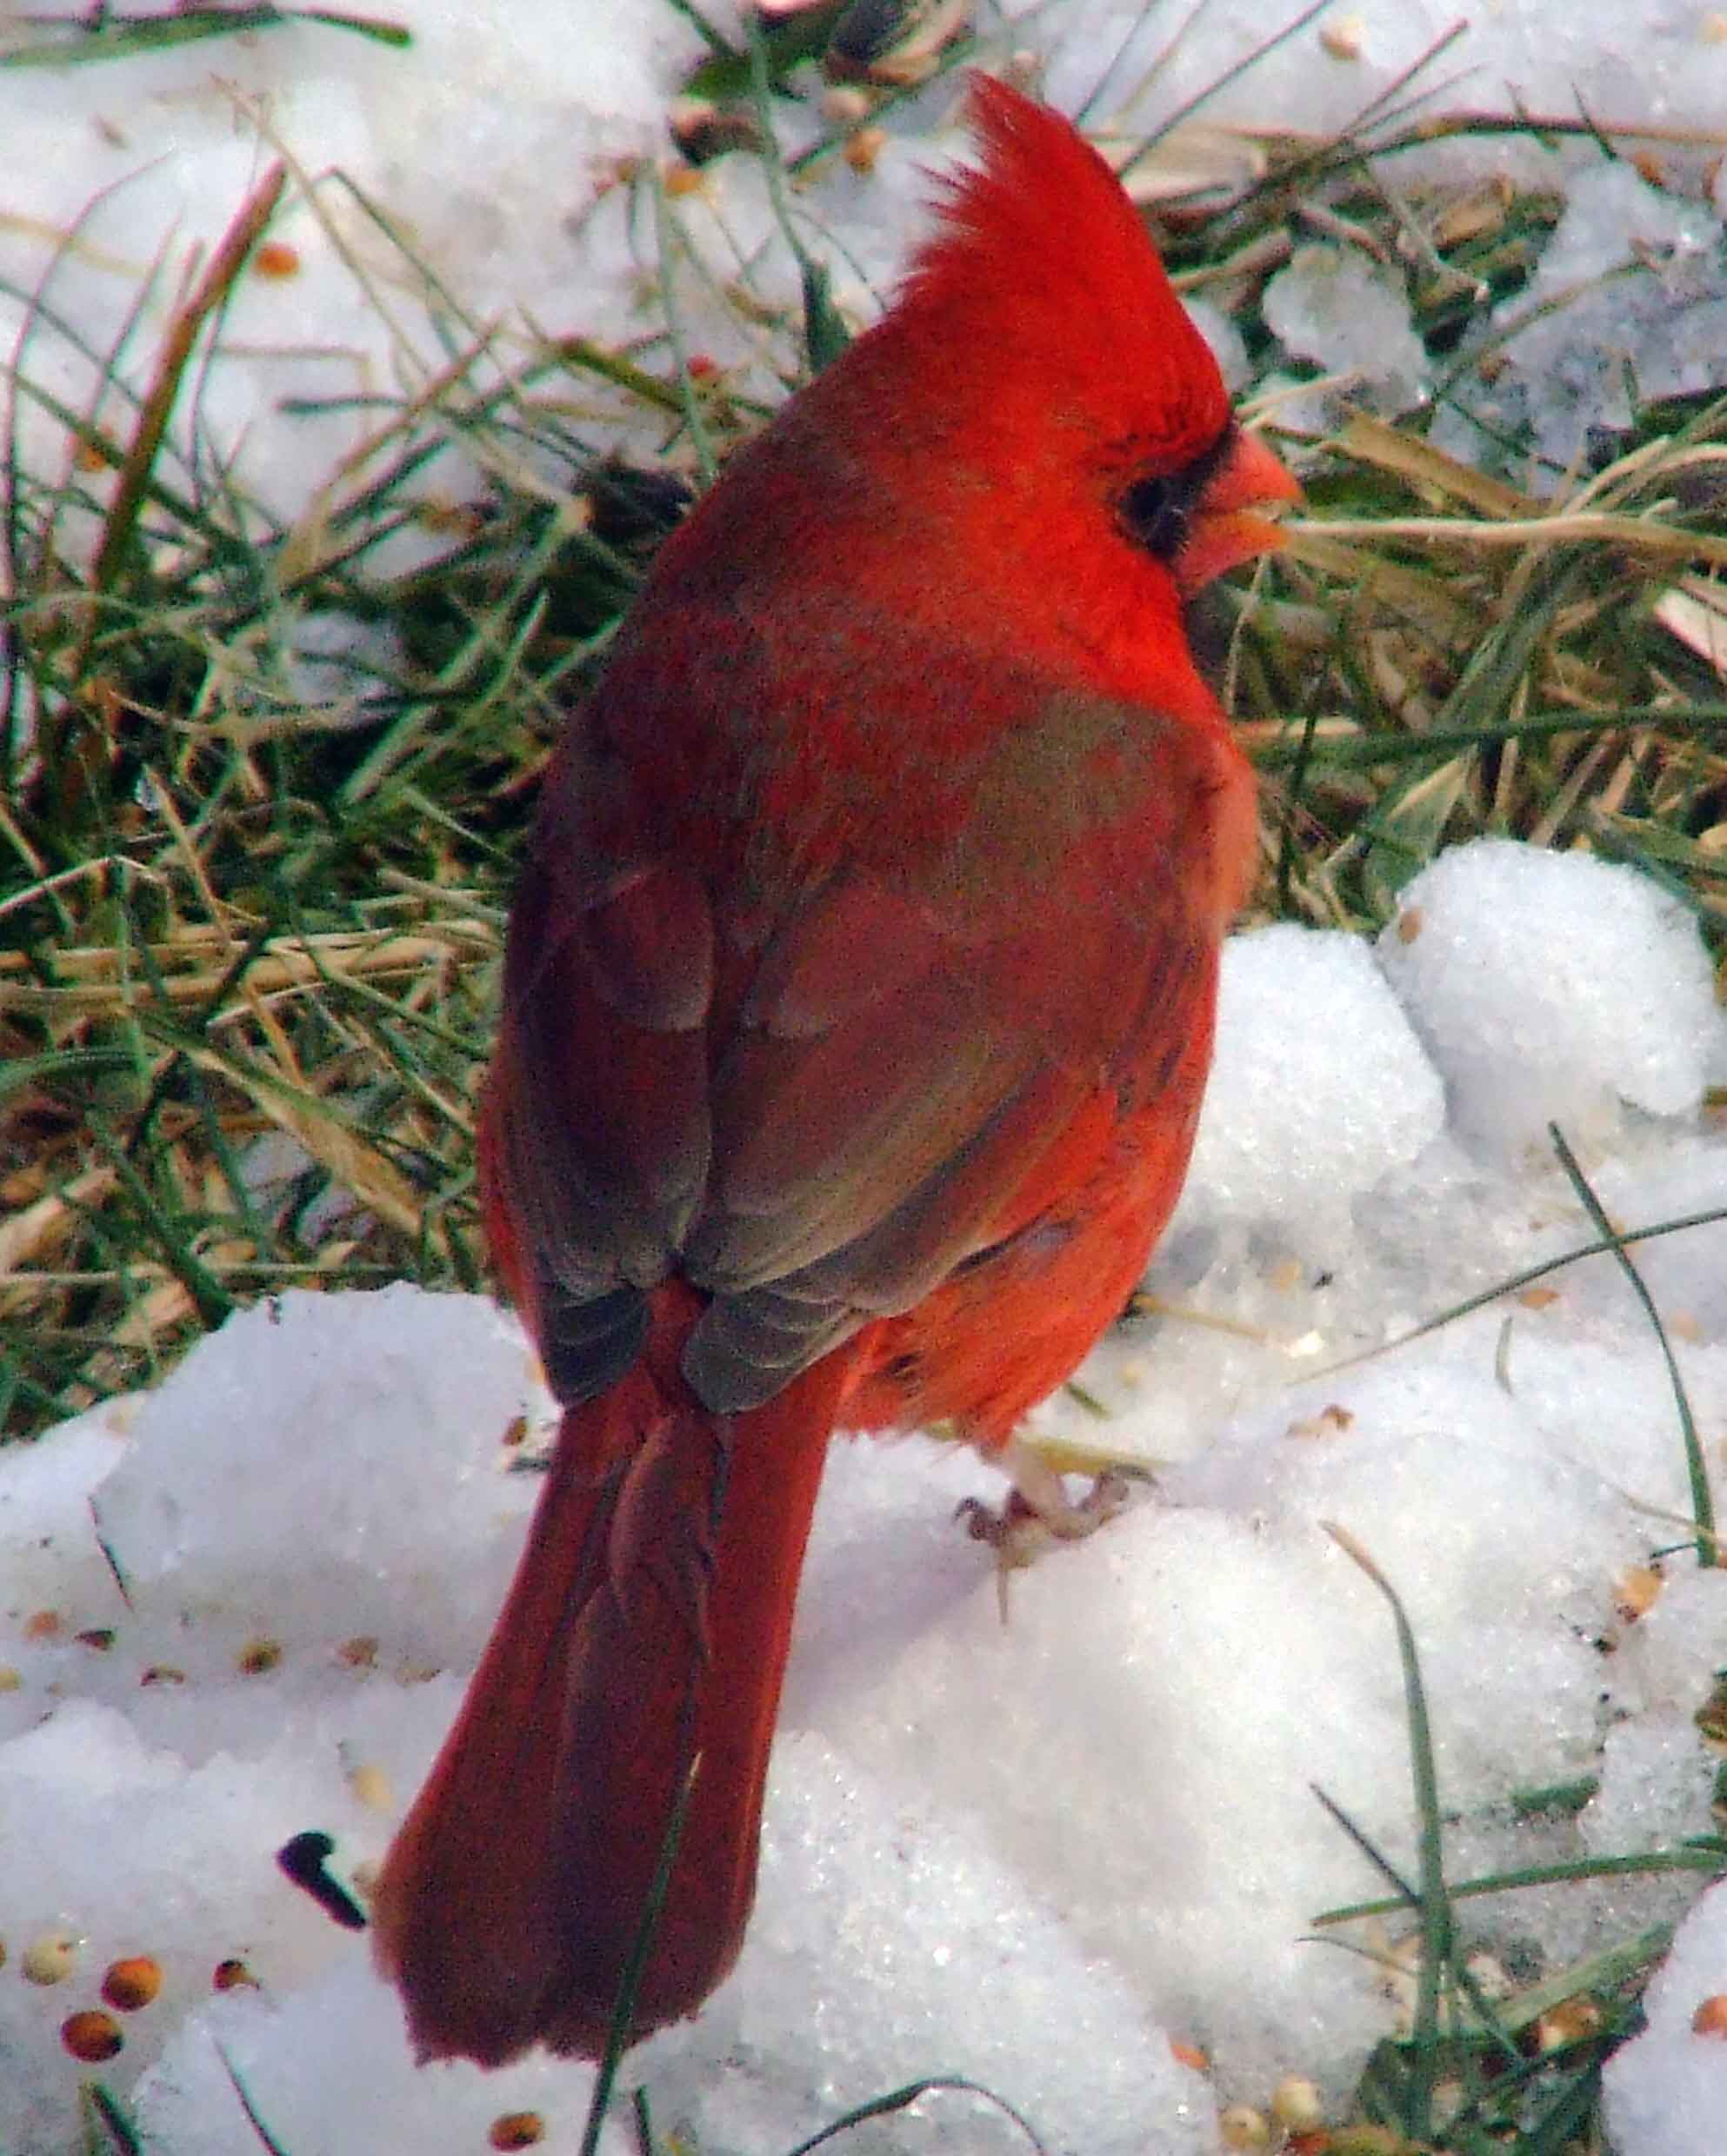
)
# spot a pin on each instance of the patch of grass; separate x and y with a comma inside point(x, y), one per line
point(1493, 663)
point(1487, 2066)
point(261, 810)
point(104, 35)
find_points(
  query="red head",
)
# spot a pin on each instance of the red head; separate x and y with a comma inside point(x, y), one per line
point(1038, 347)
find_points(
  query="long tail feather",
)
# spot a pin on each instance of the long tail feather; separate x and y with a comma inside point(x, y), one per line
point(647, 1629)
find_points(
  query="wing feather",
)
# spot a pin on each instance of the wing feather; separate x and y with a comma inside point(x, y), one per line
point(815, 1083)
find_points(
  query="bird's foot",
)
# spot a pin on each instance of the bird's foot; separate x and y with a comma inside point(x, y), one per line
point(1037, 1514)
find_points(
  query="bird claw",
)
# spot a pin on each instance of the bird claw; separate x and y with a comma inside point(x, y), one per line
point(1020, 1531)
point(1038, 1515)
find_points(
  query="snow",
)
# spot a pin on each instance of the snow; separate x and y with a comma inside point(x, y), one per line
point(1627, 305)
point(1665, 2091)
point(1097, 1817)
point(1046, 1854)
point(1351, 317)
point(1615, 1005)
point(1290, 1131)
point(1549, 58)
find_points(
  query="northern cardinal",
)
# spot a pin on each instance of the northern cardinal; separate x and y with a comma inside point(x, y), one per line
point(857, 1008)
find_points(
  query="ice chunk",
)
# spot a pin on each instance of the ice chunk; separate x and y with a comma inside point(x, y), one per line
point(1319, 1088)
point(1349, 316)
point(1665, 2093)
point(1549, 988)
point(239, 1440)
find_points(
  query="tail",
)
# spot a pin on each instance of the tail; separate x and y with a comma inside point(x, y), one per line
point(646, 1631)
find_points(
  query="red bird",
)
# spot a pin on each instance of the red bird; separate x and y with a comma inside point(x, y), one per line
point(858, 1010)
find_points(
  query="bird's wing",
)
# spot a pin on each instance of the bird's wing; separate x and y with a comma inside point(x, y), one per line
point(815, 1083)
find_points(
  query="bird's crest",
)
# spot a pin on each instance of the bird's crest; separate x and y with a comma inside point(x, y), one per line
point(1041, 241)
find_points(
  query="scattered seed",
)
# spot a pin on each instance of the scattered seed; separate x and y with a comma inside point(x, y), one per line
point(91, 2035)
point(258, 1657)
point(516, 2129)
point(1240, 2126)
point(1296, 2104)
point(277, 261)
point(1710, 2017)
point(43, 1624)
point(371, 1785)
point(1330, 1421)
point(232, 1975)
point(863, 148)
point(1637, 1591)
point(1344, 39)
point(131, 1983)
point(1570, 2022)
point(50, 1957)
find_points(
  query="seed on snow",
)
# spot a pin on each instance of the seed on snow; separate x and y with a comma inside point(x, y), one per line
point(516, 2129)
point(277, 260)
point(131, 1982)
point(1636, 1592)
point(862, 147)
point(91, 2035)
point(1296, 2104)
point(49, 1958)
point(1344, 39)
point(1710, 2017)
point(366, 1778)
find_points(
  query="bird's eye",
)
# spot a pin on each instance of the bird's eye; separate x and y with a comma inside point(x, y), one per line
point(1153, 513)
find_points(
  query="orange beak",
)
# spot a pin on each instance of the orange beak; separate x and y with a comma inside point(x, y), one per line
point(1223, 530)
